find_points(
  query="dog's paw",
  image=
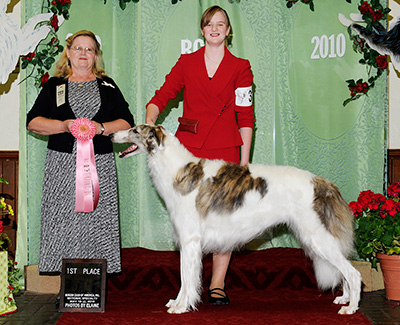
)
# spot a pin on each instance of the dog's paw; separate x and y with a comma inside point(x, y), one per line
point(347, 310)
point(341, 300)
point(171, 303)
point(177, 309)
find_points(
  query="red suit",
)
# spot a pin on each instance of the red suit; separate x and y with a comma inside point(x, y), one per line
point(222, 105)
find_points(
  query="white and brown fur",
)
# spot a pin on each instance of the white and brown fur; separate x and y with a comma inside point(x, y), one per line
point(215, 206)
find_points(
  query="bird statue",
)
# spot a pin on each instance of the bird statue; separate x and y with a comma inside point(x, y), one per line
point(385, 42)
point(16, 41)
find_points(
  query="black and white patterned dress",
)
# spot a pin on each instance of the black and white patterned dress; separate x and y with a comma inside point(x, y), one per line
point(64, 232)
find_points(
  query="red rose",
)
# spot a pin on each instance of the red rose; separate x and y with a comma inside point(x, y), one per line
point(365, 8)
point(54, 22)
point(54, 3)
point(359, 88)
point(44, 79)
point(1, 226)
point(365, 87)
point(377, 15)
point(381, 61)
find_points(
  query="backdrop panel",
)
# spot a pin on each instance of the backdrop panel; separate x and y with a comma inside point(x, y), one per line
point(298, 99)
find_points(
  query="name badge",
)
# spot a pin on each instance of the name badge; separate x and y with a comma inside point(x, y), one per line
point(60, 95)
point(244, 96)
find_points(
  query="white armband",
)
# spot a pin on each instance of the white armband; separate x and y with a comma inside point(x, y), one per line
point(244, 96)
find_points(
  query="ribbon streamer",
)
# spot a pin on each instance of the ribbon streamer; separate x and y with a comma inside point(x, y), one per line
point(87, 190)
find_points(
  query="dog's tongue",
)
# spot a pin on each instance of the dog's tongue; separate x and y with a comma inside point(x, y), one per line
point(132, 148)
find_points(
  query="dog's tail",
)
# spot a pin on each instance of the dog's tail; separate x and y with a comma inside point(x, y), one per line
point(334, 213)
point(338, 219)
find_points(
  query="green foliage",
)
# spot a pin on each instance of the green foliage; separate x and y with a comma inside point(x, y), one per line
point(42, 59)
point(372, 13)
point(291, 3)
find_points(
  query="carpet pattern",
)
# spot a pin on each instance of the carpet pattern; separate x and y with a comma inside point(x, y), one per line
point(274, 286)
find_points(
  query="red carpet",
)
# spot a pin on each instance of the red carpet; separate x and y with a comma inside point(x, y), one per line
point(274, 286)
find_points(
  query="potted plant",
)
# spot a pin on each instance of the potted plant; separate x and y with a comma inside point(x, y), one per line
point(9, 272)
point(377, 233)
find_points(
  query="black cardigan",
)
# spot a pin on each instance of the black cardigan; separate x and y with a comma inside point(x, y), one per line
point(113, 106)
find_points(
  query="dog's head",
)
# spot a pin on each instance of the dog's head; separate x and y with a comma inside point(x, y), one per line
point(145, 138)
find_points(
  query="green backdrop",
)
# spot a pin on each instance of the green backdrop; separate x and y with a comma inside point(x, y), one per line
point(300, 60)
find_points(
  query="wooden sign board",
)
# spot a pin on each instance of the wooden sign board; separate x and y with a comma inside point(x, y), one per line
point(83, 285)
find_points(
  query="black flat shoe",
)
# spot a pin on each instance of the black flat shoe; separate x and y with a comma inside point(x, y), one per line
point(218, 297)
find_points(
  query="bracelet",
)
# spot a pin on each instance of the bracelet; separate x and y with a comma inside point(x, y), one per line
point(102, 128)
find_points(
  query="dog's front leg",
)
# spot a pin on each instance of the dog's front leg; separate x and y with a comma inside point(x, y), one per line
point(190, 268)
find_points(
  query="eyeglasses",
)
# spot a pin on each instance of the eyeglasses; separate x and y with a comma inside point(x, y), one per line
point(88, 50)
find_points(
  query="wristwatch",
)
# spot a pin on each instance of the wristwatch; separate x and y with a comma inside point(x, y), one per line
point(102, 128)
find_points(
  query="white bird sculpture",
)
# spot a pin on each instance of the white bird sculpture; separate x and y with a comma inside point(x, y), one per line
point(379, 39)
point(15, 41)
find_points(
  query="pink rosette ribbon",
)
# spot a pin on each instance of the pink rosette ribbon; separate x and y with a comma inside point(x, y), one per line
point(86, 181)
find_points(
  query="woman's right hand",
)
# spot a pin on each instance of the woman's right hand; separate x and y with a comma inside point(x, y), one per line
point(152, 112)
point(45, 126)
point(67, 125)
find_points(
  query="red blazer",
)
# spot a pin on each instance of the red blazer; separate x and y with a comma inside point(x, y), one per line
point(216, 103)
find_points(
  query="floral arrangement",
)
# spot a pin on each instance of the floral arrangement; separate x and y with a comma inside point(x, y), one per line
point(14, 276)
point(372, 14)
point(4, 207)
point(377, 219)
point(44, 56)
point(13, 271)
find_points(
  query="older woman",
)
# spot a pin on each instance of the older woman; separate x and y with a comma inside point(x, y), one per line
point(79, 88)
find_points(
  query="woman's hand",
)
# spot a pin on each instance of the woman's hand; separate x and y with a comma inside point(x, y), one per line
point(67, 125)
point(45, 126)
point(112, 126)
point(152, 112)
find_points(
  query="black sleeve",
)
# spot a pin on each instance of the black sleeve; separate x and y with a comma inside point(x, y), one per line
point(41, 107)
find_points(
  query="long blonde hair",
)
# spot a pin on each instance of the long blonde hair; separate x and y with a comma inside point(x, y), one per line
point(63, 68)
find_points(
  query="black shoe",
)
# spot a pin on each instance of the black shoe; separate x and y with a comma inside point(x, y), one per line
point(218, 297)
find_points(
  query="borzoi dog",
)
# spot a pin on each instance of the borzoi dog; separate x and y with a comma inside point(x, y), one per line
point(215, 206)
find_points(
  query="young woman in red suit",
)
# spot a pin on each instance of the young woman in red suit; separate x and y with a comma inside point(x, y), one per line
point(217, 92)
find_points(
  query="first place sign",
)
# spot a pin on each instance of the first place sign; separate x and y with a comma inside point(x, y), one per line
point(83, 283)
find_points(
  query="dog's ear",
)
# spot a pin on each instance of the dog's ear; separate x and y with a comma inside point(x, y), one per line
point(153, 137)
point(159, 134)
